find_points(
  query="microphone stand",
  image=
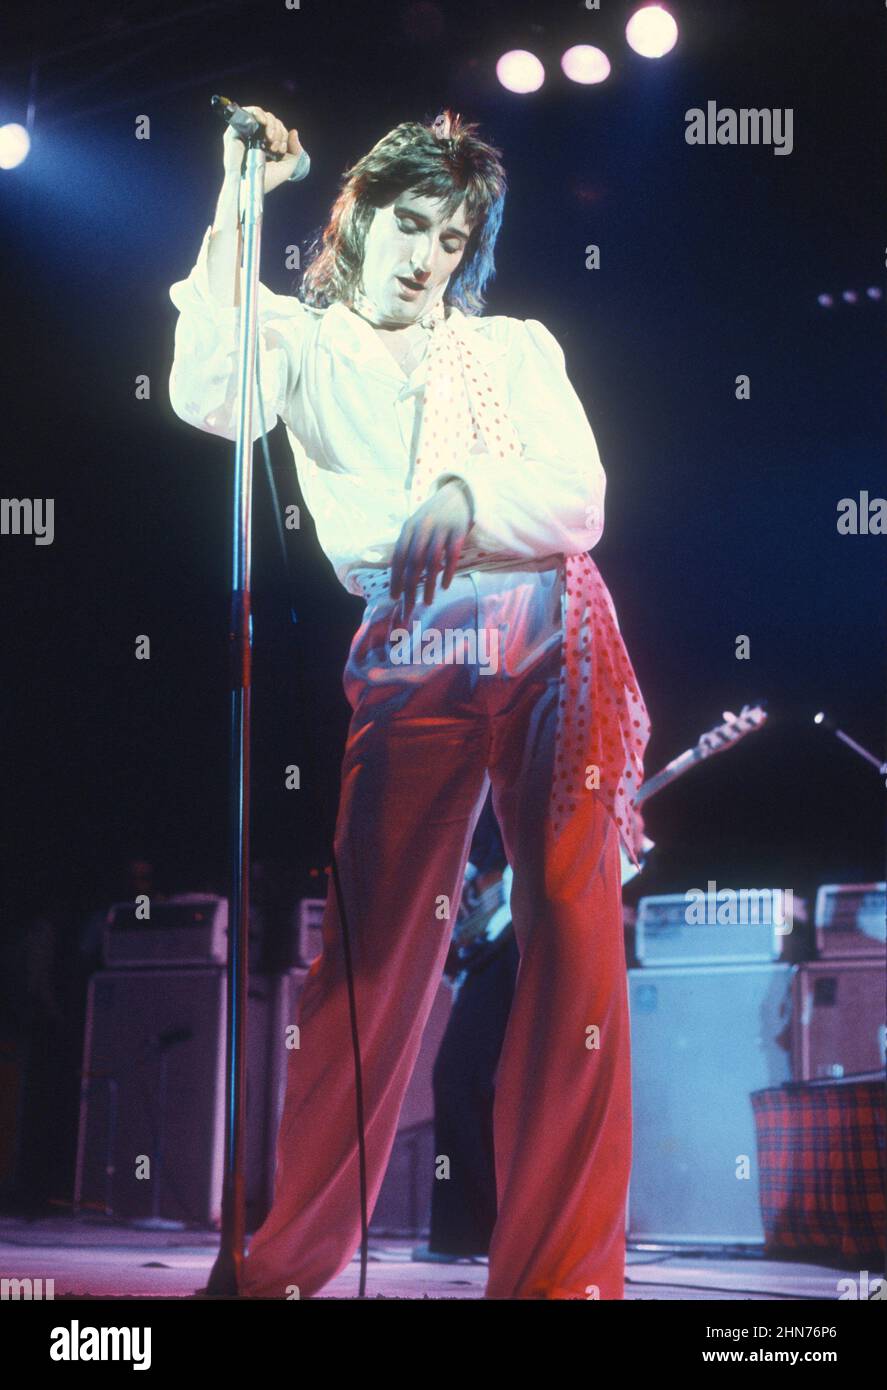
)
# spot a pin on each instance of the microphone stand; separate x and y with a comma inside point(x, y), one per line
point(225, 1276)
point(822, 719)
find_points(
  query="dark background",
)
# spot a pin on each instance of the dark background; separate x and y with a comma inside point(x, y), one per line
point(721, 515)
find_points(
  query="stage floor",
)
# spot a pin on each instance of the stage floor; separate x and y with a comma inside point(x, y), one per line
point(89, 1257)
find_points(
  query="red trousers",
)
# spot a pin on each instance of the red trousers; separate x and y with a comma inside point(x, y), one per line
point(425, 741)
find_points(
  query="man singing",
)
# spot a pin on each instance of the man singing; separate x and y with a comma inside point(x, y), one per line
point(455, 484)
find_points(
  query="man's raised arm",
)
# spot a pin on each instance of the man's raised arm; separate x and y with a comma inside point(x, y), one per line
point(203, 378)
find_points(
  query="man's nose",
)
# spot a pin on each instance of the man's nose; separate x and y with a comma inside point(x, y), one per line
point(422, 257)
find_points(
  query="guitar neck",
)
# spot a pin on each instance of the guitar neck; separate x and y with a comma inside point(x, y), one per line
point(676, 768)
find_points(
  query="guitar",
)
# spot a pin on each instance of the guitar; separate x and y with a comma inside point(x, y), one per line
point(482, 925)
point(483, 915)
point(718, 740)
point(478, 923)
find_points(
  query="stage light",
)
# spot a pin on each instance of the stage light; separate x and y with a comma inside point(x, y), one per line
point(652, 32)
point(520, 71)
point(583, 63)
point(849, 296)
point(15, 142)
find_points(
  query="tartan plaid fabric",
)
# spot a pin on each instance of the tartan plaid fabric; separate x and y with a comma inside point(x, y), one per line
point(821, 1164)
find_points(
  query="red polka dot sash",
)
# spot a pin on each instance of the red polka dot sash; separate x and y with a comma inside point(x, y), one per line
point(603, 726)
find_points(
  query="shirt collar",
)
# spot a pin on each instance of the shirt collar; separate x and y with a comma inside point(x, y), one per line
point(345, 332)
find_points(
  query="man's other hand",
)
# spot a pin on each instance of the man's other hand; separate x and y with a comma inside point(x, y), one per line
point(431, 541)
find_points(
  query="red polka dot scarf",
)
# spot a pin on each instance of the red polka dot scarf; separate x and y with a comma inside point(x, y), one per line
point(603, 725)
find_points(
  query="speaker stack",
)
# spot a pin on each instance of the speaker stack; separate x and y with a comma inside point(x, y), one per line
point(838, 1015)
point(710, 1024)
point(150, 1144)
point(718, 1018)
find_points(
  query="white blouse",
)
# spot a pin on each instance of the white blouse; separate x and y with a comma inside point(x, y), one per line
point(352, 419)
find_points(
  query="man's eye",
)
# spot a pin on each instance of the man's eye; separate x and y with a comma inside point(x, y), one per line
point(413, 227)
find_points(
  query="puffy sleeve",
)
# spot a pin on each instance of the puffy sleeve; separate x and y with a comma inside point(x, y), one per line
point(551, 501)
point(203, 379)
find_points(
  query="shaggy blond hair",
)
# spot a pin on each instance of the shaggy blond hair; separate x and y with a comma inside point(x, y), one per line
point(442, 160)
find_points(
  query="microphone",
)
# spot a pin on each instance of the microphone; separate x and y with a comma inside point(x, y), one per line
point(246, 127)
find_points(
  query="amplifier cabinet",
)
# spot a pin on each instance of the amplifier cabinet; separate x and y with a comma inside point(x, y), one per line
point(730, 926)
point(703, 1039)
point(838, 1018)
point(190, 929)
point(851, 919)
point(309, 929)
point(152, 1103)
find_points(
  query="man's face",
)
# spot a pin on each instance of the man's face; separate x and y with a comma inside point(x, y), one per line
point(410, 253)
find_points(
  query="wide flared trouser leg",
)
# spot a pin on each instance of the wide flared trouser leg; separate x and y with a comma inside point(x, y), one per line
point(413, 783)
point(562, 1117)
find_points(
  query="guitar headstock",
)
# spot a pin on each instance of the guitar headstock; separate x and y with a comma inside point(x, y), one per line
point(735, 726)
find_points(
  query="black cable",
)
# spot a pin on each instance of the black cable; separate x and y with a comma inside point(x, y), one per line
point(337, 885)
point(718, 1288)
point(358, 1083)
point(717, 1252)
point(725, 1251)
